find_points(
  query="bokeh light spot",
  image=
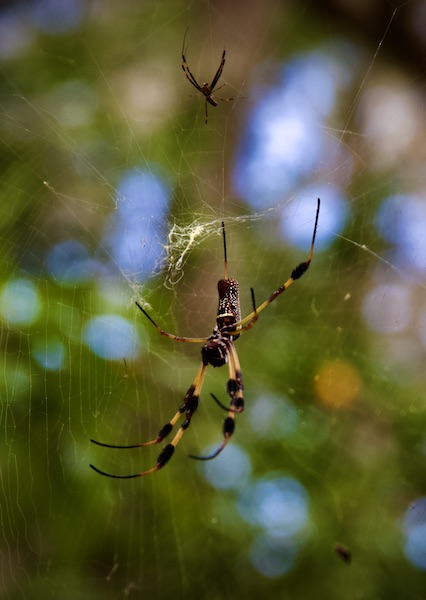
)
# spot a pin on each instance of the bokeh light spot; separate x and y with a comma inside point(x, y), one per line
point(387, 308)
point(337, 383)
point(414, 528)
point(285, 139)
point(230, 470)
point(401, 220)
point(136, 232)
point(112, 337)
point(298, 217)
point(57, 16)
point(271, 556)
point(49, 352)
point(20, 302)
point(69, 262)
point(273, 417)
point(279, 504)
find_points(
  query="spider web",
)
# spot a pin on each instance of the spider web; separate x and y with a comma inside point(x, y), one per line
point(114, 190)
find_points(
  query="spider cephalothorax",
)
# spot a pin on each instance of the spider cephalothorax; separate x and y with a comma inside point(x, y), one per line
point(216, 350)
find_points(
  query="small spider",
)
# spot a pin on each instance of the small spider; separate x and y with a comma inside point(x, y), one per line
point(218, 350)
point(206, 89)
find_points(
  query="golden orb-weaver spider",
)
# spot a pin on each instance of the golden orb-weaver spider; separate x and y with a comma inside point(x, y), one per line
point(218, 349)
point(206, 89)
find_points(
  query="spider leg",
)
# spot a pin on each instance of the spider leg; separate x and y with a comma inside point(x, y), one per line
point(177, 338)
point(185, 67)
point(188, 407)
point(220, 87)
point(191, 77)
point(218, 97)
point(221, 405)
point(255, 315)
point(235, 384)
point(218, 72)
point(223, 99)
point(295, 274)
point(235, 389)
point(166, 429)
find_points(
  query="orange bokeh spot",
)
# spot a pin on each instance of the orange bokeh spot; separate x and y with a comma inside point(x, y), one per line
point(337, 383)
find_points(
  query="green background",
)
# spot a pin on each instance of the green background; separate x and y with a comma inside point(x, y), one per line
point(67, 532)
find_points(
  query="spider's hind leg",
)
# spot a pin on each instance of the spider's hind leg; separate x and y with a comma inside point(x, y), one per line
point(188, 407)
point(235, 389)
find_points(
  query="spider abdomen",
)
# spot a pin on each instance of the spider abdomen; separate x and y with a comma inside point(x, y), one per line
point(207, 92)
point(228, 312)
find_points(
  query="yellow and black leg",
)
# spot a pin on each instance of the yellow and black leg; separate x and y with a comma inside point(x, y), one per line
point(188, 407)
point(235, 389)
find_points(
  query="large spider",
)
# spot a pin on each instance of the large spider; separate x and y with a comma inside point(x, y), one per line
point(206, 89)
point(218, 349)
